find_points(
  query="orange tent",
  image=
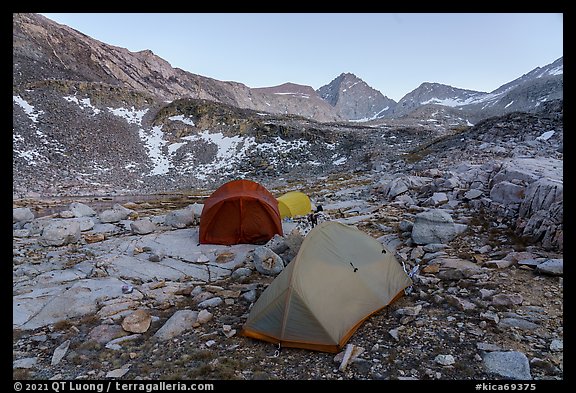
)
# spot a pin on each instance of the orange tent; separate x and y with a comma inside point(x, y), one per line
point(240, 211)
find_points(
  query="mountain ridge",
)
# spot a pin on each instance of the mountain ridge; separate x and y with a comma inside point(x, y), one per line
point(346, 98)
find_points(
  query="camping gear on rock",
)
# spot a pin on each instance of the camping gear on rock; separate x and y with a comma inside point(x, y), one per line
point(294, 203)
point(240, 211)
point(339, 278)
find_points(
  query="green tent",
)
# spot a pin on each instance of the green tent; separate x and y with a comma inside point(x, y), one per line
point(339, 278)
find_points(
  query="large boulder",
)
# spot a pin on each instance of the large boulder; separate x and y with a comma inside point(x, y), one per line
point(277, 244)
point(196, 208)
point(541, 213)
point(180, 218)
point(554, 267)
point(59, 233)
point(143, 226)
point(516, 171)
point(86, 223)
point(180, 322)
point(435, 226)
point(267, 261)
point(402, 184)
point(81, 210)
point(22, 214)
point(137, 321)
point(510, 364)
point(293, 240)
point(116, 214)
point(510, 183)
point(507, 193)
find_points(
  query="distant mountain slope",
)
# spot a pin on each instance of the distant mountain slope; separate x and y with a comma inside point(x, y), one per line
point(96, 137)
point(434, 93)
point(553, 69)
point(291, 98)
point(43, 49)
point(354, 100)
point(46, 51)
point(524, 94)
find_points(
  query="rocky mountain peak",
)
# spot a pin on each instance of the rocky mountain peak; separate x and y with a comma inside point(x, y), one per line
point(332, 91)
point(145, 52)
point(349, 77)
point(354, 99)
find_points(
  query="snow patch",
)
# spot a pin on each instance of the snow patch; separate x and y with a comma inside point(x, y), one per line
point(554, 71)
point(185, 120)
point(175, 146)
point(446, 101)
point(153, 140)
point(294, 94)
point(545, 136)
point(557, 71)
point(340, 161)
point(83, 103)
point(31, 156)
point(130, 115)
point(376, 116)
point(29, 109)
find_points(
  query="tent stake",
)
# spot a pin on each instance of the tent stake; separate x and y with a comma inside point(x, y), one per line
point(346, 358)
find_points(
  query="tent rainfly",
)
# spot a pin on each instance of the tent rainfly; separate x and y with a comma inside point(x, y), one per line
point(240, 211)
point(340, 277)
point(294, 203)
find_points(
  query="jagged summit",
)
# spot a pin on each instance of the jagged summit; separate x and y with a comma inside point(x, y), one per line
point(354, 99)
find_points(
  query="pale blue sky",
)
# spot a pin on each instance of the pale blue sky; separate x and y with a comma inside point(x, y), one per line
point(393, 53)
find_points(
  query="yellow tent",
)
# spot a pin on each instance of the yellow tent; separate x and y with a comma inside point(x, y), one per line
point(339, 278)
point(294, 203)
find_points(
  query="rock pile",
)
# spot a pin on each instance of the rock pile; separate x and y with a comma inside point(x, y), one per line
point(121, 295)
point(476, 220)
